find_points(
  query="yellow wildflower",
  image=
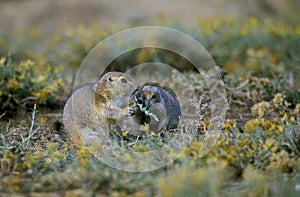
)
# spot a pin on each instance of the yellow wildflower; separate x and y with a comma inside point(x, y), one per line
point(144, 127)
point(229, 123)
point(14, 84)
point(260, 109)
point(43, 94)
point(2, 41)
point(285, 117)
point(2, 60)
point(251, 125)
point(281, 128)
point(297, 30)
point(145, 55)
point(84, 152)
point(141, 148)
point(25, 66)
point(292, 119)
point(253, 21)
point(43, 121)
point(124, 133)
point(56, 154)
point(269, 143)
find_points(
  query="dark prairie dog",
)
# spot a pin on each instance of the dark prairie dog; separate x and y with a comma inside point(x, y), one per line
point(161, 102)
point(92, 111)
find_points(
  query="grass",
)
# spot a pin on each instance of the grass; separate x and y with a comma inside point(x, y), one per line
point(256, 154)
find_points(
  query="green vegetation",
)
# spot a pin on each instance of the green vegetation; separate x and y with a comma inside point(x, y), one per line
point(26, 83)
point(257, 153)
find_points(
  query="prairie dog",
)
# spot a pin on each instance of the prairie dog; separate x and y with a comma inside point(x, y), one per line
point(92, 111)
point(161, 102)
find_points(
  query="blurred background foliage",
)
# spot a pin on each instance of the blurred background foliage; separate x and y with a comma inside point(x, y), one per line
point(257, 48)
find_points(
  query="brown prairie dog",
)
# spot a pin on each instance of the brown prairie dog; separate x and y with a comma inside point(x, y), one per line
point(92, 111)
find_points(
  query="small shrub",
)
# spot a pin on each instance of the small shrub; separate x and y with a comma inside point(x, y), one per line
point(25, 83)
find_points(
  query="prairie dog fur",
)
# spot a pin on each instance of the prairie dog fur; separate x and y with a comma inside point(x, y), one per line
point(92, 110)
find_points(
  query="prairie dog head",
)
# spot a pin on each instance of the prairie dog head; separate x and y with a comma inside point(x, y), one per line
point(147, 96)
point(113, 85)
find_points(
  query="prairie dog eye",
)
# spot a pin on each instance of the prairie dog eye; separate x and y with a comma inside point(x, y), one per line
point(123, 80)
point(140, 100)
point(109, 79)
